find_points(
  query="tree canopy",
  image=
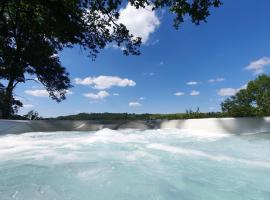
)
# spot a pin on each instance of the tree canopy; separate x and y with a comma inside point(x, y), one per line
point(252, 101)
point(32, 33)
point(32, 115)
point(16, 104)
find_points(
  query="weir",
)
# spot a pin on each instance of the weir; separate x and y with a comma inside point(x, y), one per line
point(211, 125)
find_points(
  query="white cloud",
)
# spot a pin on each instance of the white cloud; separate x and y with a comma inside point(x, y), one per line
point(122, 48)
point(42, 92)
point(100, 95)
point(192, 83)
point(243, 87)
point(37, 93)
point(115, 94)
point(134, 104)
point(225, 92)
point(55, 55)
point(105, 82)
point(258, 66)
point(85, 81)
point(140, 22)
point(194, 93)
point(28, 105)
point(216, 80)
point(68, 92)
point(179, 93)
point(141, 98)
point(19, 98)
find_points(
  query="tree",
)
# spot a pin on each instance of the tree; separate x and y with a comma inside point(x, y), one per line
point(2, 90)
point(15, 104)
point(32, 33)
point(260, 91)
point(32, 115)
point(252, 101)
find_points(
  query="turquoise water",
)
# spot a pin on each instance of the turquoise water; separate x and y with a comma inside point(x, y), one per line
point(134, 164)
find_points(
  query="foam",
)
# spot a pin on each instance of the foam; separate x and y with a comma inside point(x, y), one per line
point(133, 164)
point(196, 153)
point(74, 146)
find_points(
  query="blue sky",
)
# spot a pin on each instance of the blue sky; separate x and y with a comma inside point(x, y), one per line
point(195, 66)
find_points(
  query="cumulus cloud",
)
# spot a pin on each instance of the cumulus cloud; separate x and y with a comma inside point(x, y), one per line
point(19, 98)
point(37, 93)
point(68, 92)
point(140, 22)
point(258, 66)
point(134, 104)
point(216, 80)
point(98, 96)
point(85, 81)
point(194, 93)
point(28, 105)
point(192, 83)
point(105, 82)
point(122, 48)
point(179, 93)
point(225, 92)
point(42, 92)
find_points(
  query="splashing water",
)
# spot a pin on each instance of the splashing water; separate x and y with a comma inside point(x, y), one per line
point(134, 164)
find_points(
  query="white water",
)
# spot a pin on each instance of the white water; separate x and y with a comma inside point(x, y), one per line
point(132, 164)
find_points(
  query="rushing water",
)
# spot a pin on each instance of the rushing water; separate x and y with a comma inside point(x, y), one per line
point(134, 164)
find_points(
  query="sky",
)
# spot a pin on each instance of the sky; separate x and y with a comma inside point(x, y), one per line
point(195, 66)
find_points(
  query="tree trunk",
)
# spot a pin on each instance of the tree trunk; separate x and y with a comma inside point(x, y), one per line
point(8, 96)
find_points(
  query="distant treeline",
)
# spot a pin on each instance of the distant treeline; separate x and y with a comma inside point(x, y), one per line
point(146, 116)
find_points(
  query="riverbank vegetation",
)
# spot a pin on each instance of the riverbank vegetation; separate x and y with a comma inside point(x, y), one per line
point(146, 116)
point(252, 101)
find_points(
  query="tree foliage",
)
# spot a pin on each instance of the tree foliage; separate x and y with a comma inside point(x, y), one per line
point(146, 116)
point(252, 101)
point(16, 104)
point(32, 115)
point(33, 32)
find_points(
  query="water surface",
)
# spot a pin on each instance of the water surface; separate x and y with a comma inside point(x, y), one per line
point(134, 164)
